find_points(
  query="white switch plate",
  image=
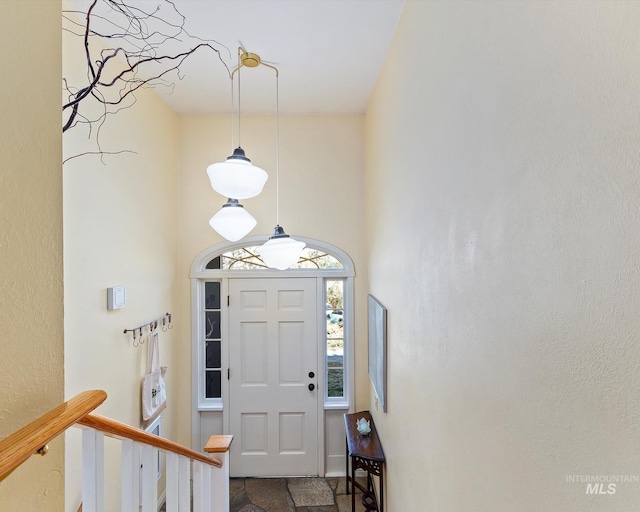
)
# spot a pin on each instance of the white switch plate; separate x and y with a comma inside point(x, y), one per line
point(116, 297)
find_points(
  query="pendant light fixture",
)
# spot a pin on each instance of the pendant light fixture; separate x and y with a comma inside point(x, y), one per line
point(236, 177)
point(233, 222)
point(280, 251)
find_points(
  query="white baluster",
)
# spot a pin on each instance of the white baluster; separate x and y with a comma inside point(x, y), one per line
point(173, 490)
point(154, 479)
point(220, 483)
point(184, 484)
point(198, 486)
point(149, 482)
point(135, 480)
point(92, 470)
point(127, 470)
point(206, 491)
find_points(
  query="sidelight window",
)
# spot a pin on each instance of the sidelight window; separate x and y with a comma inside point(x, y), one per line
point(335, 318)
point(212, 340)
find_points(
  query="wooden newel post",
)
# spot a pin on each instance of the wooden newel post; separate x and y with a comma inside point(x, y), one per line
point(219, 447)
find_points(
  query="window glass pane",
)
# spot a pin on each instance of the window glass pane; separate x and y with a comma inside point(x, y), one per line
point(214, 264)
point(242, 259)
point(335, 338)
point(213, 358)
point(213, 384)
point(335, 384)
point(335, 361)
point(212, 325)
point(312, 258)
point(212, 295)
point(335, 295)
point(335, 375)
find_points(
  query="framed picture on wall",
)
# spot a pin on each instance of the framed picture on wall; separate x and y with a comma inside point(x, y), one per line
point(377, 328)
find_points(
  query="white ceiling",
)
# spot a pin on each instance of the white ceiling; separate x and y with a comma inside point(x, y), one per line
point(329, 53)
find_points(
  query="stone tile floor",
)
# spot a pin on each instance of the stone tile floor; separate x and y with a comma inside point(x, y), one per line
point(291, 495)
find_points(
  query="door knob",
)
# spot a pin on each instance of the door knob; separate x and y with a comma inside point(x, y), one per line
point(312, 387)
point(311, 375)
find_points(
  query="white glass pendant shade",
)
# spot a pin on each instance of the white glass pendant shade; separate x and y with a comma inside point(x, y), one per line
point(233, 222)
point(280, 251)
point(237, 177)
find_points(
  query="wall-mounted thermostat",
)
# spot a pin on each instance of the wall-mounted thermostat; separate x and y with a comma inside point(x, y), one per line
point(116, 297)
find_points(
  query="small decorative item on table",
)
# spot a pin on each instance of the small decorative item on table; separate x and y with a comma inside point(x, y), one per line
point(363, 426)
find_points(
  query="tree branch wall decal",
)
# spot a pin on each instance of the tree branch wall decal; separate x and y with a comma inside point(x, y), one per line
point(127, 46)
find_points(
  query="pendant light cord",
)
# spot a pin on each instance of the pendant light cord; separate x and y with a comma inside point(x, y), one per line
point(277, 153)
point(232, 111)
point(239, 66)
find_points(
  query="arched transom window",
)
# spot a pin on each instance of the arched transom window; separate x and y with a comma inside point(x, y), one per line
point(247, 258)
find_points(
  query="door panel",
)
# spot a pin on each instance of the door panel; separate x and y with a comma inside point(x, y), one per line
point(273, 340)
point(253, 350)
point(291, 353)
point(253, 433)
point(291, 433)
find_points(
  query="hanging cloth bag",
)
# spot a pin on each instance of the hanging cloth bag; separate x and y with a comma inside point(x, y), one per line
point(154, 393)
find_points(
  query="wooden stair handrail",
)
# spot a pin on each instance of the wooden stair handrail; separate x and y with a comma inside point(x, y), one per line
point(122, 430)
point(23, 443)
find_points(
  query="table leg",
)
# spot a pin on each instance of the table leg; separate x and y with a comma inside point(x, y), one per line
point(353, 489)
point(346, 460)
point(381, 505)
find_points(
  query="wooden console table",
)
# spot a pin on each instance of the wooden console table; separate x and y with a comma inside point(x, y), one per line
point(365, 453)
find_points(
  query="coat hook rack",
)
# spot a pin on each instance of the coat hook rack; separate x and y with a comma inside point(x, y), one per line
point(137, 332)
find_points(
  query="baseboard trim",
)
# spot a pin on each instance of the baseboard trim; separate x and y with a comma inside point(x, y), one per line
point(340, 474)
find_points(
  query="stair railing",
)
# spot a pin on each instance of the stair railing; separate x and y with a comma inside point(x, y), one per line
point(184, 467)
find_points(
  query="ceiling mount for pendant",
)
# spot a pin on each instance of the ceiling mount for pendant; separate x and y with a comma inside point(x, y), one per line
point(251, 60)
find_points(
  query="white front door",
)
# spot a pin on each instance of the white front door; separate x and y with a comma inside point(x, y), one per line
point(273, 363)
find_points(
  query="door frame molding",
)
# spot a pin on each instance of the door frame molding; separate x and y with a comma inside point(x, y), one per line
point(200, 274)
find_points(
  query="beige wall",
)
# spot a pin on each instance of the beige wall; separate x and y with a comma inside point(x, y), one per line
point(120, 223)
point(31, 288)
point(321, 197)
point(503, 198)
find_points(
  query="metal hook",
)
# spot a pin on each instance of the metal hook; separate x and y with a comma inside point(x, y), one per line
point(140, 336)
